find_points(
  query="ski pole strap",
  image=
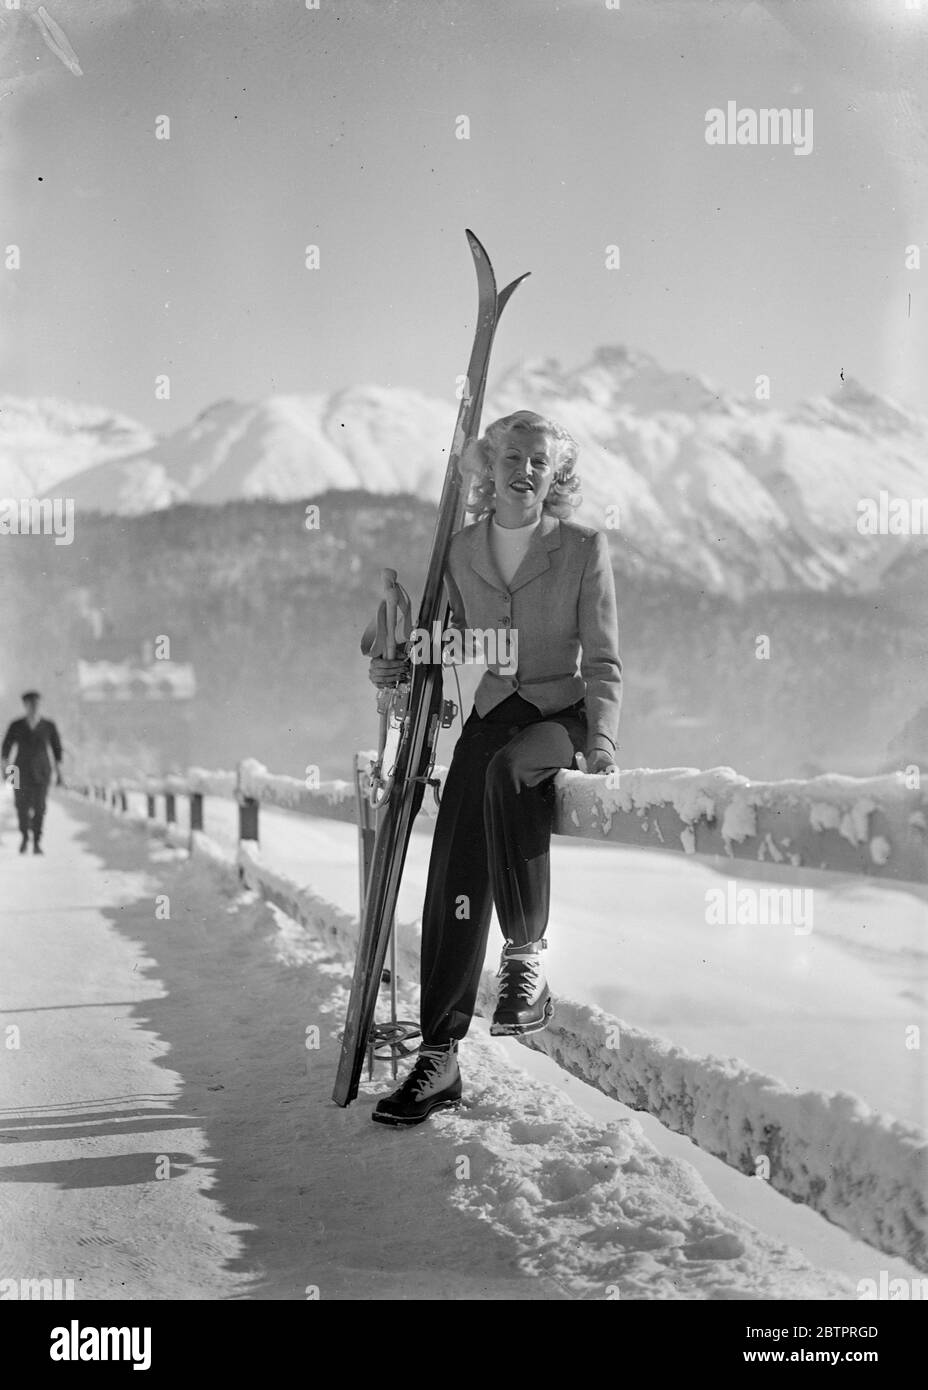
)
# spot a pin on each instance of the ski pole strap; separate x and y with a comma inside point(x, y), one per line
point(380, 636)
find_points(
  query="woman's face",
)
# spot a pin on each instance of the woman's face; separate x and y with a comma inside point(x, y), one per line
point(524, 469)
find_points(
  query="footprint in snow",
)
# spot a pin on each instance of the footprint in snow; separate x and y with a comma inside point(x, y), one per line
point(724, 1246)
point(521, 1132)
point(562, 1178)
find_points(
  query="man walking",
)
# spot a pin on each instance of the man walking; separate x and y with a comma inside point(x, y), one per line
point(38, 751)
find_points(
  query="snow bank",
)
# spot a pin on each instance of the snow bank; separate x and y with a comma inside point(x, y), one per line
point(861, 1170)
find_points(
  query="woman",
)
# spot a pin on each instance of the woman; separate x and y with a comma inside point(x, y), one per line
point(523, 571)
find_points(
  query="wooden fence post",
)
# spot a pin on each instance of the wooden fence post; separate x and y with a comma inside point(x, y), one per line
point(247, 816)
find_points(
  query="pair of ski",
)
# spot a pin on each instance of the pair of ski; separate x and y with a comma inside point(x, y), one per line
point(419, 707)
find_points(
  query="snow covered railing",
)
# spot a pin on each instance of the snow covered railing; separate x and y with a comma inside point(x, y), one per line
point(199, 781)
point(873, 825)
point(876, 825)
point(334, 799)
point(869, 825)
point(251, 785)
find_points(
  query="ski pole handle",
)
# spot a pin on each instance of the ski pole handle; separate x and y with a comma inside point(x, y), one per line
point(390, 598)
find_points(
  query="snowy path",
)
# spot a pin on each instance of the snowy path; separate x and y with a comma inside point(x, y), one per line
point(184, 1039)
point(143, 1039)
point(88, 1108)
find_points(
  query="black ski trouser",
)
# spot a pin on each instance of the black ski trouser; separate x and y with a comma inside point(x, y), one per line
point(491, 845)
point(30, 809)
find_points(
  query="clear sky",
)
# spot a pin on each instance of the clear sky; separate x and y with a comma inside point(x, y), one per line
point(337, 126)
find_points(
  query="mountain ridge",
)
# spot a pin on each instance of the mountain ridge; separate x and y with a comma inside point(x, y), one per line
point(724, 492)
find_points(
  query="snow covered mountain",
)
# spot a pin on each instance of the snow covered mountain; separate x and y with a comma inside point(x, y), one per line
point(285, 447)
point(44, 441)
point(735, 494)
point(696, 484)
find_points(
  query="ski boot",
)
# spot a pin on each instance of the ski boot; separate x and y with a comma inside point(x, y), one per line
point(524, 1004)
point(433, 1084)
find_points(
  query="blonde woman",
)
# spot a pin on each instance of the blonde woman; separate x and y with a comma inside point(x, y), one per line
point(525, 572)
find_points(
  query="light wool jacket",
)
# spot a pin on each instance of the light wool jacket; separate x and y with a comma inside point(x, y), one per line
point(561, 603)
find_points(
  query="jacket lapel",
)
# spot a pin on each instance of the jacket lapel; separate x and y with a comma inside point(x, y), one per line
point(481, 559)
point(545, 539)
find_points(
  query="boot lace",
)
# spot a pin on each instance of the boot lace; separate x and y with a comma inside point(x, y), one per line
point(428, 1064)
point(520, 976)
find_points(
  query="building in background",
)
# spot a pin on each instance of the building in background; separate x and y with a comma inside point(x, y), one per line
point(135, 712)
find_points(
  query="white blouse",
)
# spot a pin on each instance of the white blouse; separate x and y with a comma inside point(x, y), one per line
point(508, 545)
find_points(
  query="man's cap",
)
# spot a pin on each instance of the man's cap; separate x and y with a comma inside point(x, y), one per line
point(30, 695)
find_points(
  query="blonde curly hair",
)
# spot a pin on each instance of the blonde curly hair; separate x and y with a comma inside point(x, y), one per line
point(479, 456)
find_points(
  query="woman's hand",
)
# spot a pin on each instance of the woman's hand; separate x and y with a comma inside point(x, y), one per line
point(387, 671)
point(597, 761)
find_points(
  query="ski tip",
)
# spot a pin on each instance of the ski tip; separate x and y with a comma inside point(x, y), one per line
point(506, 293)
point(476, 245)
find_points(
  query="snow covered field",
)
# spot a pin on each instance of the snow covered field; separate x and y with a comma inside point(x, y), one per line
point(183, 1039)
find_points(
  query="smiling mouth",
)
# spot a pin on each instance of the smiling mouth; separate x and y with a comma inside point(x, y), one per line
point(522, 485)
